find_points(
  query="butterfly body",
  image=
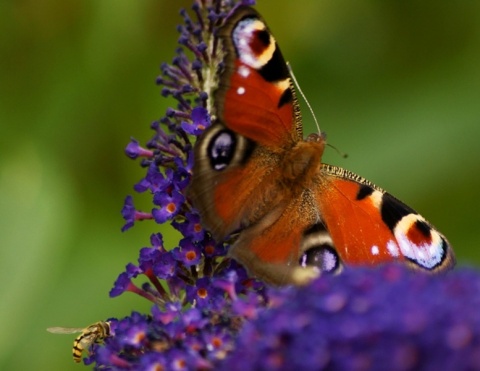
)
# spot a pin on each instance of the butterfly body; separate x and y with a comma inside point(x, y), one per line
point(255, 174)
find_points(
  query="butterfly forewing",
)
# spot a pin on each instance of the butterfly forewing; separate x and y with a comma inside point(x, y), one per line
point(255, 97)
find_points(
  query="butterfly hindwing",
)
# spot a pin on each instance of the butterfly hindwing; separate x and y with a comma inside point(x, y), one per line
point(272, 249)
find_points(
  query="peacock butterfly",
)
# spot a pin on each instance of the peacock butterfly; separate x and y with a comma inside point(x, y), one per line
point(255, 174)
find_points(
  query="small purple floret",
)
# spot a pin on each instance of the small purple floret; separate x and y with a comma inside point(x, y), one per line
point(134, 150)
point(170, 205)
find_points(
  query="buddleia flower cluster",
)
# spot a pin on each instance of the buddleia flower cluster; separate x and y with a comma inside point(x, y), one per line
point(207, 313)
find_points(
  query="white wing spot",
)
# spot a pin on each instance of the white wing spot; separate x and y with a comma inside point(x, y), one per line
point(375, 250)
point(241, 90)
point(392, 248)
point(283, 85)
point(243, 71)
point(376, 197)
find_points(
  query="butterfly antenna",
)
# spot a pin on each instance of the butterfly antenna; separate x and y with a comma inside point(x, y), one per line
point(343, 154)
point(303, 96)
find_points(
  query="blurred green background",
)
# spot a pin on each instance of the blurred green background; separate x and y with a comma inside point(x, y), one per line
point(395, 84)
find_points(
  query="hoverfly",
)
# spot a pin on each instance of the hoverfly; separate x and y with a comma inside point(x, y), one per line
point(95, 333)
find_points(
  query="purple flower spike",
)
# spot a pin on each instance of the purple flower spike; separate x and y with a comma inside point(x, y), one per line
point(208, 314)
